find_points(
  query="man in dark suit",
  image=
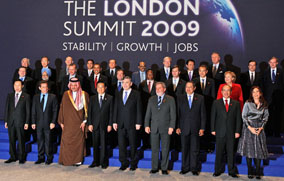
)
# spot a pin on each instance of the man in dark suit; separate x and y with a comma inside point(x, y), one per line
point(100, 112)
point(25, 62)
point(44, 65)
point(72, 69)
point(272, 86)
point(175, 85)
point(164, 73)
point(139, 76)
point(217, 70)
point(249, 79)
point(206, 86)
point(17, 116)
point(190, 73)
point(147, 89)
point(87, 74)
point(127, 119)
point(226, 125)
point(96, 78)
point(28, 82)
point(160, 120)
point(116, 87)
point(191, 125)
point(111, 72)
point(63, 72)
point(44, 115)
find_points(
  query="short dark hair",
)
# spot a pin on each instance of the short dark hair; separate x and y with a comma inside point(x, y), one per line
point(18, 80)
point(22, 67)
point(43, 82)
point(90, 60)
point(120, 70)
point(73, 64)
point(252, 61)
point(191, 82)
point(176, 66)
point(203, 66)
point(149, 70)
point(44, 57)
point(190, 60)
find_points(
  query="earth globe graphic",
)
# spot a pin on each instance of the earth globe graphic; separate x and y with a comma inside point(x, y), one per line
point(220, 26)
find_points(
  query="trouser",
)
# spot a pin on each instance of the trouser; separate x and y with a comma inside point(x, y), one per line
point(123, 136)
point(43, 141)
point(190, 152)
point(155, 145)
point(16, 133)
point(99, 139)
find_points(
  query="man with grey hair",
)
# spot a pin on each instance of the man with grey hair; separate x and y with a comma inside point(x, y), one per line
point(25, 62)
point(126, 120)
point(164, 73)
point(160, 121)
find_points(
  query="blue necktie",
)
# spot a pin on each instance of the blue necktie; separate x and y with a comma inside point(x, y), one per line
point(167, 73)
point(42, 102)
point(159, 102)
point(189, 102)
point(125, 98)
point(119, 86)
point(273, 76)
point(101, 101)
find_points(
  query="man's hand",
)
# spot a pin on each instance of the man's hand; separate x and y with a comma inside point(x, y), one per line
point(138, 126)
point(213, 133)
point(62, 126)
point(26, 127)
point(237, 135)
point(6, 125)
point(147, 130)
point(52, 125)
point(171, 130)
point(108, 129)
point(201, 132)
point(178, 131)
point(91, 128)
point(114, 125)
point(82, 126)
point(33, 126)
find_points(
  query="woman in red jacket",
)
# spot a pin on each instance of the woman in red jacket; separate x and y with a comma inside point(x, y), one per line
point(237, 93)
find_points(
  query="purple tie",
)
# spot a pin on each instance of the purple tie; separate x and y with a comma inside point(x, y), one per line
point(189, 76)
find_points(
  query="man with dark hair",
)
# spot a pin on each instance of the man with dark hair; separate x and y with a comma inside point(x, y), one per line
point(28, 82)
point(44, 67)
point(65, 71)
point(126, 120)
point(111, 72)
point(190, 73)
point(25, 62)
point(175, 85)
point(44, 114)
point(96, 78)
point(139, 76)
point(17, 117)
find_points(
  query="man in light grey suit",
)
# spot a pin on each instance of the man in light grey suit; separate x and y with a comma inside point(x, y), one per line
point(160, 120)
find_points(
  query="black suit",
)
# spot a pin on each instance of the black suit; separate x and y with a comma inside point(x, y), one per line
point(225, 124)
point(102, 78)
point(161, 75)
point(127, 116)
point(42, 120)
point(273, 93)
point(185, 76)
point(100, 118)
point(180, 89)
point(111, 78)
point(16, 118)
point(190, 121)
point(28, 85)
point(51, 86)
point(65, 82)
point(219, 76)
point(246, 83)
point(37, 74)
point(29, 73)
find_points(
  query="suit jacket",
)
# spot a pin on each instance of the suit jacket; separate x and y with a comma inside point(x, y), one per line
point(19, 115)
point(226, 123)
point(100, 117)
point(102, 78)
point(111, 79)
point(62, 74)
point(185, 77)
point(51, 85)
point(43, 119)
point(145, 94)
point(272, 91)
point(29, 73)
point(29, 85)
point(136, 78)
point(37, 74)
point(219, 77)
point(209, 91)
point(246, 84)
point(180, 89)
point(65, 82)
point(160, 120)
point(130, 114)
point(161, 75)
point(191, 120)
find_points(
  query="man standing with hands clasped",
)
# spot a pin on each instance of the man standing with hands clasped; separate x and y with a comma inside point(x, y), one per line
point(160, 121)
point(226, 125)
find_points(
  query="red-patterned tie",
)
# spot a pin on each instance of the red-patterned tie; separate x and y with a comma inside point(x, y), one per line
point(96, 81)
point(227, 105)
point(149, 86)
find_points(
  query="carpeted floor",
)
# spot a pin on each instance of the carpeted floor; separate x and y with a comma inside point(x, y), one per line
point(29, 171)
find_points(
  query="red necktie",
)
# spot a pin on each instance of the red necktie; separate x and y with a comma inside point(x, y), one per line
point(227, 105)
point(149, 86)
point(96, 81)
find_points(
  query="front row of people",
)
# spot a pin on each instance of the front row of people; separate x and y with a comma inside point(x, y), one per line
point(101, 113)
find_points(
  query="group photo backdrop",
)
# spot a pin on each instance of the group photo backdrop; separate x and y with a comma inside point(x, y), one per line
point(138, 30)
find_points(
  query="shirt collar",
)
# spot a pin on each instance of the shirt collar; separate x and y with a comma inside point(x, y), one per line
point(227, 99)
point(103, 95)
point(19, 93)
point(190, 95)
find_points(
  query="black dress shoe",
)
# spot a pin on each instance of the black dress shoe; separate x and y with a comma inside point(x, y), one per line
point(104, 166)
point(48, 162)
point(154, 171)
point(39, 161)
point(22, 161)
point(182, 172)
point(216, 174)
point(94, 165)
point(10, 160)
point(165, 172)
point(132, 168)
point(250, 176)
point(195, 173)
point(122, 168)
point(234, 175)
point(258, 177)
